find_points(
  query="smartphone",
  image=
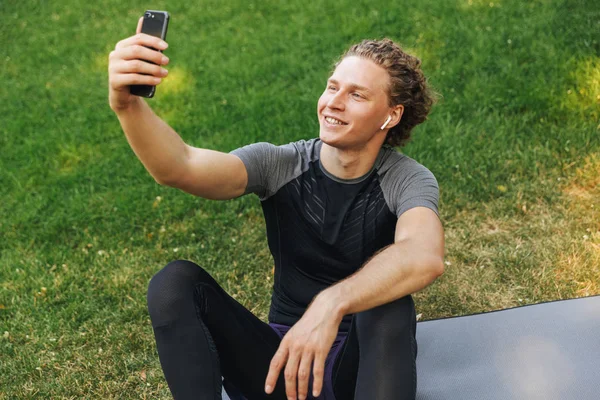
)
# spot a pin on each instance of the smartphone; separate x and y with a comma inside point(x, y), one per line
point(155, 23)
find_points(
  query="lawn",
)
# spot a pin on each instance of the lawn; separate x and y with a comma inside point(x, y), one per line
point(514, 143)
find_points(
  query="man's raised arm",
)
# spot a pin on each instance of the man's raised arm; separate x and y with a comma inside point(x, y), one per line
point(206, 173)
point(171, 162)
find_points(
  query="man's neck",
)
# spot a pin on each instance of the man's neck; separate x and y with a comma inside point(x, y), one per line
point(349, 163)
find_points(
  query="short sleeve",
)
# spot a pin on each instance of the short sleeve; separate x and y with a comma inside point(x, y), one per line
point(409, 184)
point(268, 166)
point(420, 190)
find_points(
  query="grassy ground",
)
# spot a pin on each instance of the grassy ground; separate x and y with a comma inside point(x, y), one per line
point(514, 143)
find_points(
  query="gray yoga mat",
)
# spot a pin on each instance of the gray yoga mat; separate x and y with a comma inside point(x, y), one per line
point(548, 351)
point(545, 351)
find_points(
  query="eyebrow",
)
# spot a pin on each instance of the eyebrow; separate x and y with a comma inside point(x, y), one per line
point(352, 86)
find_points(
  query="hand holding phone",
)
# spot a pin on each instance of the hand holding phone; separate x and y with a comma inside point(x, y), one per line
point(136, 61)
point(154, 23)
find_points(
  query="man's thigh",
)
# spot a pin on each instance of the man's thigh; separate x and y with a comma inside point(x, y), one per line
point(345, 366)
point(381, 341)
point(244, 343)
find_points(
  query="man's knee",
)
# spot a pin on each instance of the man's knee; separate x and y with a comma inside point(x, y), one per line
point(171, 289)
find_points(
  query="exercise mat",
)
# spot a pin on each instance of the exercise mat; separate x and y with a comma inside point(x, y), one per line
point(548, 351)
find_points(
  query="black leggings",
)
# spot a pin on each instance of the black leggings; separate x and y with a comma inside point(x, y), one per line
point(203, 334)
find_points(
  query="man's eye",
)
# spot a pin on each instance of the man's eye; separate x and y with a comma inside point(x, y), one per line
point(358, 96)
point(331, 87)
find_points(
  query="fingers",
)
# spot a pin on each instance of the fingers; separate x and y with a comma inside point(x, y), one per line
point(277, 362)
point(318, 373)
point(138, 53)
point(118, 82)
point(135, 65)
point(291, 371)
point(143, 39)
point(304, 375)
point(131, 63)
point(139, 25)
point(126, 72)
point(298, 358)
point(139, 67)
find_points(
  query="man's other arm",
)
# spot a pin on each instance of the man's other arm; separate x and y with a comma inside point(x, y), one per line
point(411, 263)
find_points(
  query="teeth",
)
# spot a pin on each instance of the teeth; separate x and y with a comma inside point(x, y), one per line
point(333, 121)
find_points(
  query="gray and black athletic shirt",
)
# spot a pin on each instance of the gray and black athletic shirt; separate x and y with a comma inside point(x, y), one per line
point(321, 228)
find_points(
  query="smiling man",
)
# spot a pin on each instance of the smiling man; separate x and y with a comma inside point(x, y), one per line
point(352, 225)
point(363, 204)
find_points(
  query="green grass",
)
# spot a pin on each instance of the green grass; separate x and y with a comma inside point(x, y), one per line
point(514, 143)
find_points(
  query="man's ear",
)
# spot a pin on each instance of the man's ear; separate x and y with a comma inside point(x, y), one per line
point(396, 115)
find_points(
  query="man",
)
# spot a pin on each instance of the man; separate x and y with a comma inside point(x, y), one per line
point(351, 223)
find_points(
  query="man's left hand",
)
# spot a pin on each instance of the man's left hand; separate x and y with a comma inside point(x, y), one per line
point(306, 345)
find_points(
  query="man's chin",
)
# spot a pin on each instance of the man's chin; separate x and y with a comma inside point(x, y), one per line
point(343, 140)
point(331, 134)
point(332, 139)
point(328, 137)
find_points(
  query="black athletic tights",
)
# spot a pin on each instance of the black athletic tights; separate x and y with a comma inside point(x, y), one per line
point(202, 334)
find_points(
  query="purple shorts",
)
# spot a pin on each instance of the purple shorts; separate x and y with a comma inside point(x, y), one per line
point(327, 390)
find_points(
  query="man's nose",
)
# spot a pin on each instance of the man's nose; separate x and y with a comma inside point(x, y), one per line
point(336, 102)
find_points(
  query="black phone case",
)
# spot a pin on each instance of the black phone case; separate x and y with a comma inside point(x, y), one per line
point(149, 90)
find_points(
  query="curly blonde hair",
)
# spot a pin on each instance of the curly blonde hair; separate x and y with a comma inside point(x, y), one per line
point(408, 86)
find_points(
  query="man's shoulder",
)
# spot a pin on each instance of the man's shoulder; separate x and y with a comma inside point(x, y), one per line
point(306, 150)
point(300, 146)
point(406, 183)
point(303, 148)
point(271, 166)
point(394, 162)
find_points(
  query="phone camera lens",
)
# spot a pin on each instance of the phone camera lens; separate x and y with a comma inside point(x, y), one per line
point(148, 15)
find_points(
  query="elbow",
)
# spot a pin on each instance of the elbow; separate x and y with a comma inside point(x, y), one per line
point(439, 268)
point(169, 179)
point(430, 268)
point(436, 266)
point(162, 182)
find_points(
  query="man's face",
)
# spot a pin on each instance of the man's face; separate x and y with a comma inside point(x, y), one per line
point(356, 100)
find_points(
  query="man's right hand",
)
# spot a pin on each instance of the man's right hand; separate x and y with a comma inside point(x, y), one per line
point(128, 65)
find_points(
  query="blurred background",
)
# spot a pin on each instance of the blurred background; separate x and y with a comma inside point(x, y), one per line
point(513, 141)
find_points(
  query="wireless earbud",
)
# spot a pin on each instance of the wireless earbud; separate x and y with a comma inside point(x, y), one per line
point(387, 121)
